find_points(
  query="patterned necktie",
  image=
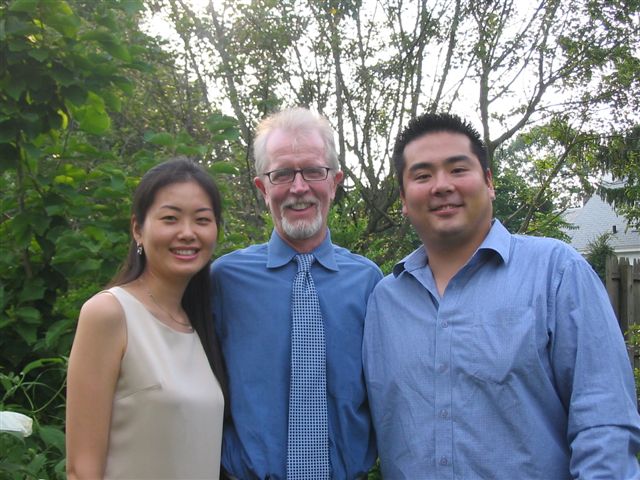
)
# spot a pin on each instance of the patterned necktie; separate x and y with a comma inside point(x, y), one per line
point(308, 437)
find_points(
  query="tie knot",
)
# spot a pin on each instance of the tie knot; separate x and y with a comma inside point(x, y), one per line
point(305, 260)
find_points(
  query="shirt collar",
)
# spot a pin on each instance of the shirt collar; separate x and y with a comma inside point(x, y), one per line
point(280, 253)
point(498, 239)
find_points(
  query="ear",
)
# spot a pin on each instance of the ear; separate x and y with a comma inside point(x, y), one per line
point(257, 181)
point(489, 180)
point(136, 229)
point(337, 180)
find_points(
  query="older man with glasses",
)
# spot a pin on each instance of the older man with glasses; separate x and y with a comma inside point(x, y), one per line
point(289, 314)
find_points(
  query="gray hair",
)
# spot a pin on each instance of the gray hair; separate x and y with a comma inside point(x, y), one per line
point(299, 122)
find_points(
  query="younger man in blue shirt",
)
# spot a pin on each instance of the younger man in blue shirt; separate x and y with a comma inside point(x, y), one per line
point(486, 354)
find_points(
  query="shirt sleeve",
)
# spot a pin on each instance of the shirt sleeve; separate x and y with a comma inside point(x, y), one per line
point(593, 377)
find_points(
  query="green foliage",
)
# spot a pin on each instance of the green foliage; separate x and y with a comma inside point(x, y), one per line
point(349, 224)
point(374, 473)
point(620, 156)
point(598, 250)
point(75, 136)
point(38, 392)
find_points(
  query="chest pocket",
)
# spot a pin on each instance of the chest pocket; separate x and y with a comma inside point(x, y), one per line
point(498, 345)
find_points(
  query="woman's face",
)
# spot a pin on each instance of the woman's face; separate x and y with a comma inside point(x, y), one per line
point(179, 232)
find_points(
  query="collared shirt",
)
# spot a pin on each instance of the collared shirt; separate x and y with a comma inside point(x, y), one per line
point(518, 371)
point(252, 308)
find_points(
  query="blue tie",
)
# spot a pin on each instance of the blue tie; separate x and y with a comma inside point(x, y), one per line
point(308, 437)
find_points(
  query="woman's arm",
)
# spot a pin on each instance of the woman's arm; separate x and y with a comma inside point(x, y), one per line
point(94, 365)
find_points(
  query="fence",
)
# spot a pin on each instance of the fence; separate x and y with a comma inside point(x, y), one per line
point(623, 286)
point(622, 280)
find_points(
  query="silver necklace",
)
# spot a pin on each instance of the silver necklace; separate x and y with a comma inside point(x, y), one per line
point(188, 325)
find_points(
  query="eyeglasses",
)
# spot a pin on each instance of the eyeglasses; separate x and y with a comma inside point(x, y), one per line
point(288, 175)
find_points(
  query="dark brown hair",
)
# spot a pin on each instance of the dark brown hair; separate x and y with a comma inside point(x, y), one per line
point(436, 122)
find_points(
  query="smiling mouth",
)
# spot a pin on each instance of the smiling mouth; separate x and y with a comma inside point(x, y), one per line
point(444, 208)
point(184, 251)
point(300, 206)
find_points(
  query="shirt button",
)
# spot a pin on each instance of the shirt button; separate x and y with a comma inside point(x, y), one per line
point(444, 461)
point(442, 367)
point(444, 324)
point(444, 413)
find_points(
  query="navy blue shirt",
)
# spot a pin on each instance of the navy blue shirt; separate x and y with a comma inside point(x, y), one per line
point(252, 311)
point(518, 371)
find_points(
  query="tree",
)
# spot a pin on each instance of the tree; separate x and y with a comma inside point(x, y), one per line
point(370, 66)
point(88, 102)
point(620, 156)
point(598, 251)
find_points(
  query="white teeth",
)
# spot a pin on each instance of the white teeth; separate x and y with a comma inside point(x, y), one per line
point(299, 206)
point(185, 252)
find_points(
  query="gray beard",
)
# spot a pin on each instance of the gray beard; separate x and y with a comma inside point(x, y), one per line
point(301, 230)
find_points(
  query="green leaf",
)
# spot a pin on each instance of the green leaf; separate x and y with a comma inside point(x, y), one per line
point(55, 209)
point(229, 134)
point(223, 167)
point(63, 179)
point(15, 88)
point(9, 156)
point(39, 54)
point(64, 119)
point(131, 6)
point(123, 84)
point(118, 50)
point(62, 75)
point(61, 7)
point(55, 331)
point(100, 35)
point(65, 23)
point(75, 94)
point(109, 42)
point(15, 26)
point(112, 101)
point(88, 266)
point(21, 229)
point(60, 468)
point(33, 289)
point(8, 132)
point(25, 6)
point(94, 119)
point(162, 138)
point(36, 463)
point(53, 437)
point(29, 333)
point(217, 122)
point(28, 315)
point(188, 150)
point(18, 46)
point(42, 362)
point(108, 20)
point(13, 434)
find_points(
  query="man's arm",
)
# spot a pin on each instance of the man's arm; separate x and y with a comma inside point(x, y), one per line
point(594, 378)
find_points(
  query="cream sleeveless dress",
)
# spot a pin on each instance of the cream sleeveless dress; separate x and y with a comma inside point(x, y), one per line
point(168, 407)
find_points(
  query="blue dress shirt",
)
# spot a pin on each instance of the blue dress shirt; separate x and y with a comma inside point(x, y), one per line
point(519, 371)
point(252, 309)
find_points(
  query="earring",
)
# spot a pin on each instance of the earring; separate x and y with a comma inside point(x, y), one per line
point(139, 250)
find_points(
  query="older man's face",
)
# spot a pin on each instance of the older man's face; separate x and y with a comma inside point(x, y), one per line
point(299, 209)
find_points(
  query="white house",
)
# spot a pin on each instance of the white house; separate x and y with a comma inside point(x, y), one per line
point(596, 217)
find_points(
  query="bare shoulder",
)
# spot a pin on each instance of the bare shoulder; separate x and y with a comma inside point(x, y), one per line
point(102, 312)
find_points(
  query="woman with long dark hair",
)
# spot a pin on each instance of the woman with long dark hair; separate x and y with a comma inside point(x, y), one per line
point(146, 384)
